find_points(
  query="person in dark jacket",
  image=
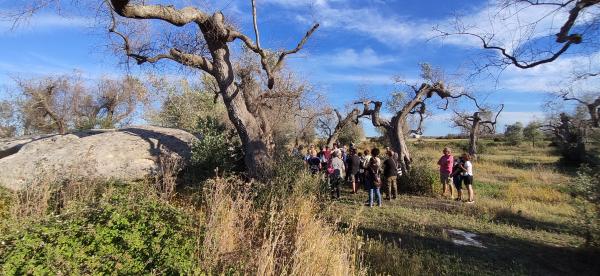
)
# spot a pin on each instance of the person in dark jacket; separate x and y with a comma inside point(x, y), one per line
point(390, 173)
point(373, 178)
point(353, 165)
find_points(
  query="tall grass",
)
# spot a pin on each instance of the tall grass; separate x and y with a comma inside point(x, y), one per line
point(286, 236)
point(257, 229)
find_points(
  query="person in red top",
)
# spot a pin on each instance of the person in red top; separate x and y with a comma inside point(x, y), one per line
point(446, 162)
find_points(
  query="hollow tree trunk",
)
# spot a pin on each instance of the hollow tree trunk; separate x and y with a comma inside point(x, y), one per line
point(398, 142)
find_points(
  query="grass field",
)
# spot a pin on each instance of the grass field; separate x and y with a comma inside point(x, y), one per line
point(523, 218)
point(524, 222)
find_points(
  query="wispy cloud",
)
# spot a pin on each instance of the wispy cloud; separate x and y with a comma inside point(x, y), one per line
point(45, 22)
point(551, 77)
point(366, 57)
point(511, 117)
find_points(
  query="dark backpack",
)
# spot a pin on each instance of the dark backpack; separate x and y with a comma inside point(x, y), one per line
point(374, 172)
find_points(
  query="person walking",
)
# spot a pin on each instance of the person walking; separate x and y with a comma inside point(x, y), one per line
point(338, 172)
point(445, 163)
point(390, 172)
point(373, 178)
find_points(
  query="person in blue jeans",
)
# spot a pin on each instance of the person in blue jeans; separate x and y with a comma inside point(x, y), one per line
point(373, 177)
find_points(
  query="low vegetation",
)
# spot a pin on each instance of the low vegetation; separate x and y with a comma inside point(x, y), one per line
point(218, 226)
point(531, 216)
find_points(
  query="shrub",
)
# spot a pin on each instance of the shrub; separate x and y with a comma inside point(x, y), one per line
point(585, 190)
point(514, 134)
point(419, 180)
point(217, 148)
point(121, 234)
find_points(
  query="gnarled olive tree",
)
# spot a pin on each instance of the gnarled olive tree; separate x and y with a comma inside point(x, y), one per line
point(394, 126)
point(242, 95)
point(332, 127)
point(478, 123)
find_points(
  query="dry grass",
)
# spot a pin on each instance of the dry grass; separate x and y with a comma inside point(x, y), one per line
point(287, 238)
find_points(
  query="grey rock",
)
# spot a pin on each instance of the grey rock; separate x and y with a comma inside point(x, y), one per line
point(126, 154)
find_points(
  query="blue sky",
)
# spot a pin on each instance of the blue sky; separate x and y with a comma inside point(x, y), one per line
point(359, 44)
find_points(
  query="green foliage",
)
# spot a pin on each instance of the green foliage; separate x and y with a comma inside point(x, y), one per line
point(419, 180)
point(186, 104)
point(218, 148)
point(532, 132)
point(514, 133)
point(586, 198)
point(351, 133)
point(120, 234)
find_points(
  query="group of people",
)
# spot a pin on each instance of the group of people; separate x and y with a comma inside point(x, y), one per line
point(366, 168)
point(347, 164)
point(456, 171)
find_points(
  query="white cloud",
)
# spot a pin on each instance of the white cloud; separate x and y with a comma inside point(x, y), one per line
point(349, 57)
point(551, 77)
point(336, 14)
point(511, 117)
point(46, 22)
point(510, 26)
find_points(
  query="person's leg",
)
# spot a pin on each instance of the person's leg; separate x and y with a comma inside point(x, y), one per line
point(471, 194)
point(449, 184)
point(444, 186)
point(388, 189)
point(371, 190)
point(457, 185)
point(331, 182)
point(394, 186)
point(353, 177)
point(337, 187)
point(469, 183)
point(379, 197)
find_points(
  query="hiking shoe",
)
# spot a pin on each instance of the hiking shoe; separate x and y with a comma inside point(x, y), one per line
point(471, 201)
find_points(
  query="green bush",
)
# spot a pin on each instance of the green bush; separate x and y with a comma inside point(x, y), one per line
point(120, 234)
point(217, 148)
point(585, 190)
point(514, 134)
point(419, 180)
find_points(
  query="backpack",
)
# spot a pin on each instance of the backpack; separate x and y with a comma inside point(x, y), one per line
point(374, 171)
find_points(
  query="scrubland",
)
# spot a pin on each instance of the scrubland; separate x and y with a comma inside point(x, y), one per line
point(524, 220)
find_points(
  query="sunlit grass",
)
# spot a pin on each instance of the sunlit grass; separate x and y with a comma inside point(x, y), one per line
point(522, 214)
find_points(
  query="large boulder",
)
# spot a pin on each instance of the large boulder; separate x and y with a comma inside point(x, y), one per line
point(127, 154)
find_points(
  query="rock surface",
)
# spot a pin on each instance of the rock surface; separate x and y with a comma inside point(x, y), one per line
point(126, 154)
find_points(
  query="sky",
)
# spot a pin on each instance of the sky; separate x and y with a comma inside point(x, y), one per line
point(360, 46)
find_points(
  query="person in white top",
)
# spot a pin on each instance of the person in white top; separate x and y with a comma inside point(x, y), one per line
point(467, 168)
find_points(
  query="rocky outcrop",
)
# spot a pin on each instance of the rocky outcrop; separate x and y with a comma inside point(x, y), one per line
point(126, 154)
